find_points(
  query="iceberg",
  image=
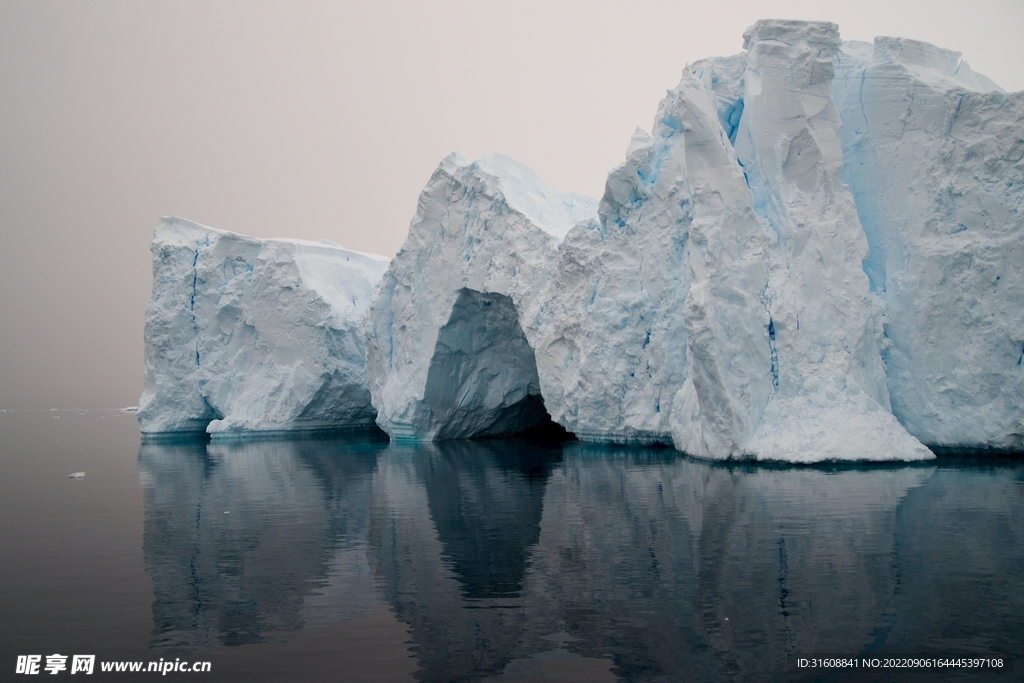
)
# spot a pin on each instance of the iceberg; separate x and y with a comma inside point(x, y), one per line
point(814, 255)
point(246, 335)
point(451, 331)
point(717, 301)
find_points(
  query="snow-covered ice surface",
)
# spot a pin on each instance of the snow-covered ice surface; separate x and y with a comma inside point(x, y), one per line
point(451, 331)
point(247, 335)
point(934, 155)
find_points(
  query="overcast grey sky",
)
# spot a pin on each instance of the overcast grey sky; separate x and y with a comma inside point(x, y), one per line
point(323, 120)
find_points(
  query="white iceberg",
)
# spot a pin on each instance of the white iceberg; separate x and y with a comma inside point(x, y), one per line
point(245, 335)
point(720, 301)
point(816, 254)
point(674, 315)
point(452, 329)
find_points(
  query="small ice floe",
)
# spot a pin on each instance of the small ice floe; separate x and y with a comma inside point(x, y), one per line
point(129, 409)
point(76, 475)
point(227, 512)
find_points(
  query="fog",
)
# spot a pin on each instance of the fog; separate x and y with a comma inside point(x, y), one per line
point(322, 120)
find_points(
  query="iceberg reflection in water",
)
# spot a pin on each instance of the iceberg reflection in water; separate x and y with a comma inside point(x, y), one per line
point(290, 552)
point(506, 557)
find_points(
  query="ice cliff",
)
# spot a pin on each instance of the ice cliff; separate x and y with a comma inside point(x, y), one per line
point(828, 397)
point(934, 156)
point(676, 317)
point(249, 335)
point(612, 349)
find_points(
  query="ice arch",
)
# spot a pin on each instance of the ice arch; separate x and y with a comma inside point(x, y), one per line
point(482, 379)
point(452, 327)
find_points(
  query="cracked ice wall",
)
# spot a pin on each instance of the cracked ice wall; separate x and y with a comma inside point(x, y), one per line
point(934, 155)
point(253, 336)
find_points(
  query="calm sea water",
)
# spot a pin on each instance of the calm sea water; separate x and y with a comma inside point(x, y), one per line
point(351, 559)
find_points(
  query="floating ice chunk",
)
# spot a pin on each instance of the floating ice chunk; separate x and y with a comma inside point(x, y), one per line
point(76, 475)
point(246, 335)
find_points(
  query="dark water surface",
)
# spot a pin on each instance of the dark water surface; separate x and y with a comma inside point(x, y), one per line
point(502, 560)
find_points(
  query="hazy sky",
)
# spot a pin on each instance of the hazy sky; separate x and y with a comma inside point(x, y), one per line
point(323, 120)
